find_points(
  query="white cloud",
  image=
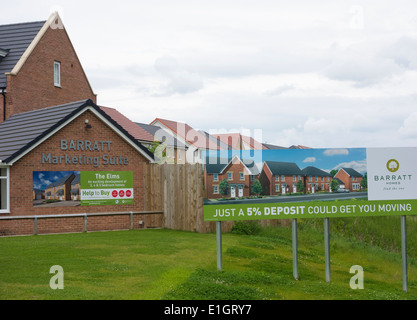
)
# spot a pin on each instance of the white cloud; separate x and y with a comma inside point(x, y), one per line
point(359, 166)
point(322, 74)
point(179, 79)
point(336, 152)
point(409, 127)
point(309, 159)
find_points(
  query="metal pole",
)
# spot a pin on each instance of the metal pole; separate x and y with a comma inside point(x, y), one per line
point(327, 248)
point(404, 252)
point(294, 250)
point(85, 222)
point(35, 226)
point(219, 245)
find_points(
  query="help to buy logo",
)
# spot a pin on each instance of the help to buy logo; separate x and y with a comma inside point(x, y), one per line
point(122, 193)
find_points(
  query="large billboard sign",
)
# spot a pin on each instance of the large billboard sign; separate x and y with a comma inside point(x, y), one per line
point(312, 183)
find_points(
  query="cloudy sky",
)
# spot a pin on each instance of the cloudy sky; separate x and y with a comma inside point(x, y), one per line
point(323, 74)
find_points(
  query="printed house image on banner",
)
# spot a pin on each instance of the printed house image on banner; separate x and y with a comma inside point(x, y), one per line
point(316, 178)
point(239, 176)
point(280, 177)
point(75, 188)
point(350, 178)
point(60, 189)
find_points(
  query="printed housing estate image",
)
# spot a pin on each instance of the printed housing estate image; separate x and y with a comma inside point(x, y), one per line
point(56, 187)
point(287, 171)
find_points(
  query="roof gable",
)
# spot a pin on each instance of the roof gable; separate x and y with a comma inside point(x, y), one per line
point(313, 171)
point(351, 172)
point(16, 38)
point(283, 168)
point(24, 131)
point(221, 164)
point(199, 139)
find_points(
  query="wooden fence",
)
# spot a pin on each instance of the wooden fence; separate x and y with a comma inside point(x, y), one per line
point(178, 191)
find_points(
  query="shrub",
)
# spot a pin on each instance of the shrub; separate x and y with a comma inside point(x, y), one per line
point(246, 227)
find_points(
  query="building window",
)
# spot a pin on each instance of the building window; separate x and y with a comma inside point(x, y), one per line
point(276, 178)
point(4, 189)
point(215, 189)
point(230, 176)
point(282, 178)
point(215, 177)
point(242, 175)
point(294, 178)
point(277, 188)
point(252, 178)
point(57, 73)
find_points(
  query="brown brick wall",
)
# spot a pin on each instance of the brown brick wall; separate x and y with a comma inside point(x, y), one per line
point(235, 168)
point(21, 180)
point(33, 86)
point(347, 180)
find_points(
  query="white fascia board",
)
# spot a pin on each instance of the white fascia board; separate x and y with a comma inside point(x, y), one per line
point(52, 18)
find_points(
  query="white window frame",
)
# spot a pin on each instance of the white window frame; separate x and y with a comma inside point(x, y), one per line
point(215, 177)
point(7, 191)
point(57, 74)
point(230, 176)
point(242, 176)
point(215, 189)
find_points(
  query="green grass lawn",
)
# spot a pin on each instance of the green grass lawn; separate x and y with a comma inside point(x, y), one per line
point(166, 264)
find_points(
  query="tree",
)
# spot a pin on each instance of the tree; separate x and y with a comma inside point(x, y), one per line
point(300, 186)
point(224, 187)
point(256, 187)
point(333, 172)
point(334, 185)
point(364, 182)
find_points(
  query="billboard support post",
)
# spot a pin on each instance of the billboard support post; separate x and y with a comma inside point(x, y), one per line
point(219, 245)
point(327, 248)
point(404, 252)
point(294, 249)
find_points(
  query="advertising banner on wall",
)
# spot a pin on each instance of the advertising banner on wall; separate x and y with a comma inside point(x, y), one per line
point(106, 188)
point(311, 183)
point(82, 188)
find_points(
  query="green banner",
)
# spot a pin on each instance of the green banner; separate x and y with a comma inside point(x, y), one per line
point(308, 210)
point(106, 188)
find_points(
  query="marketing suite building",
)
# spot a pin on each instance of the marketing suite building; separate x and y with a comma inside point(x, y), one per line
point(74, 137)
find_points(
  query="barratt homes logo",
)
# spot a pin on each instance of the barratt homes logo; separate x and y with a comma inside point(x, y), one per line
point(393, 179)
point(391, 173)
point(393, 165)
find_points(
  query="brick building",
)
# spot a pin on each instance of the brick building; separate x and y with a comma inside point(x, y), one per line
point(316, 178)
point(280, 177)
point(74, 137)
point(350, 178)
point(39, 67)
point(239, 175)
